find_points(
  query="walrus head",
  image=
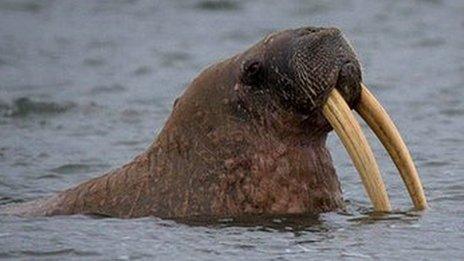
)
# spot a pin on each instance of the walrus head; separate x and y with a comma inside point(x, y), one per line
point(314, 73)
point(300, 67)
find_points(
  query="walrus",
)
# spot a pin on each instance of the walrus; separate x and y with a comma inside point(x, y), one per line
point(248, 137)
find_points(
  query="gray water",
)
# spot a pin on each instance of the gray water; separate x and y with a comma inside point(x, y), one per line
point(86, 85)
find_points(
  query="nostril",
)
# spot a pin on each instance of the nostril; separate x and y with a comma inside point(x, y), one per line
point(309, 30)
point(312, 29)
point(320, 32)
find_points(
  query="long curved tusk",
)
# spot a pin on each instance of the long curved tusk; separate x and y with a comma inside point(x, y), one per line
point(382, 125)
point(346, 126)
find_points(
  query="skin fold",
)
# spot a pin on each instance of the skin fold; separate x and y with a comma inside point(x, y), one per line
point(247, 136)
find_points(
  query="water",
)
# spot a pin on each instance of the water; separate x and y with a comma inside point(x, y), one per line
point(86, 85)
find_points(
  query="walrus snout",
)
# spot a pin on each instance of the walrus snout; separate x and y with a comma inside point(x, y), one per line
point(307, 63)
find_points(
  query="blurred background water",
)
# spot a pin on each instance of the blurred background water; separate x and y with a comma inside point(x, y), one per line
point(86, 85)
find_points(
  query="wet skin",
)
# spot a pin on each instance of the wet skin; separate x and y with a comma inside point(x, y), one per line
point(247, 136)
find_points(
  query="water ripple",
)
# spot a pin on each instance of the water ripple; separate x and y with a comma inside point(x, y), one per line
point(78, 168)
point(25, 106)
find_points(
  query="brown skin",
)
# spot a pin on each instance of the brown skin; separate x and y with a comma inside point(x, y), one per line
point(246, 137)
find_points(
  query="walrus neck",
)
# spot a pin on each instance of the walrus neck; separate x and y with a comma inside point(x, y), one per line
point(253, 172)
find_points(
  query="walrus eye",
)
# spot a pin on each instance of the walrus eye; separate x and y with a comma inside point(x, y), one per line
point(252, 72)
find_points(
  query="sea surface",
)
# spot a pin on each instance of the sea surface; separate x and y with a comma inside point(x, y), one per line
point(86, 85)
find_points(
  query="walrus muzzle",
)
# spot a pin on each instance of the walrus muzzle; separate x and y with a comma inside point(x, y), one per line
point(339, 115)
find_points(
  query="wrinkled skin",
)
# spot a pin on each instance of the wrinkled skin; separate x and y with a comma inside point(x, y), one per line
point(246, 137)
